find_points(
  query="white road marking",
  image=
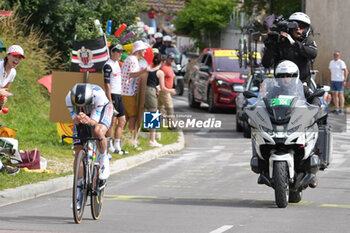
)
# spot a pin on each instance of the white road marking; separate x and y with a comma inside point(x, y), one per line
point(222, 229)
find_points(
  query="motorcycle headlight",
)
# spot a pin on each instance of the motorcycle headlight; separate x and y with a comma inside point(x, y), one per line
point(267, 130)
point(292, 130)
point(178, 66)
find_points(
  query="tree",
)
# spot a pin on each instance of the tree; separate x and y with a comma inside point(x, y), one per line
point(59, 18)
point(280, 7)
point(204, 17)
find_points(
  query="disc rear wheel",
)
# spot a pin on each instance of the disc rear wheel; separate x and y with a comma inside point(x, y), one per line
point(97, 194)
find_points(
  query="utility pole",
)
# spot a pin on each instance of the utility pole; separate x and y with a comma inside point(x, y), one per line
point(271, 6)
point(303, 6)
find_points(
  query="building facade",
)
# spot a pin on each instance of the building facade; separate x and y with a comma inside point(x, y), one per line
point(330, 19)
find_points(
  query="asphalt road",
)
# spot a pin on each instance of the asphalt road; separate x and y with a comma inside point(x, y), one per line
point(206, 188)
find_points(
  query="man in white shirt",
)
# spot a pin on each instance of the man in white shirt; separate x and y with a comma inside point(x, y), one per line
point(112, 79)
point(338, 74)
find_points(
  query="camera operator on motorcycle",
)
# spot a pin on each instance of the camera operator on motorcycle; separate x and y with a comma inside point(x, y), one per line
point(290, 40)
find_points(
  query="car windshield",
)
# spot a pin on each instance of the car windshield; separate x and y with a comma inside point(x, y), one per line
point(227, 61)
point(227, 64)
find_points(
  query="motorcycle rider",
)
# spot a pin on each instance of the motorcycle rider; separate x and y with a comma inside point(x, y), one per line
point(296, 46)
point(167, 43)
point(285, 73)
point(159, 42)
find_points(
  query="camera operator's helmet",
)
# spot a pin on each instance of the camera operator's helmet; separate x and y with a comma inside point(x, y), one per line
point(302, 18)
point(287, 69)
point(158, 35)
point(82, 98)
point(167, 38)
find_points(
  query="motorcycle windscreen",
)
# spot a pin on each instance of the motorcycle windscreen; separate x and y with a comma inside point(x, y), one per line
point(280, 95)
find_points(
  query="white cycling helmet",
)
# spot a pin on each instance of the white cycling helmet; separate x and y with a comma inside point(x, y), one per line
point(287, 69)
point(300, 16)
point(158, 35)
point(167, 39)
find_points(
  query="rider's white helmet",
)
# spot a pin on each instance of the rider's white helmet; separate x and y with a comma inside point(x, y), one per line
point(300, 16)
point(158, 35)
point(167, 38)
point(287, 69)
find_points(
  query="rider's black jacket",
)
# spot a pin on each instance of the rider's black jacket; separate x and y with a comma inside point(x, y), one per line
point(301, 53)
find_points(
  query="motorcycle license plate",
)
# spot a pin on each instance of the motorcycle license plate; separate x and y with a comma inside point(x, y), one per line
point(280, 101)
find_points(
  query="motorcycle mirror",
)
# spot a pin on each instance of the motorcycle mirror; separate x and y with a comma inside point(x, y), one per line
point(204, 69)
point(326, 88)
point(249, 94)
point(318, 93)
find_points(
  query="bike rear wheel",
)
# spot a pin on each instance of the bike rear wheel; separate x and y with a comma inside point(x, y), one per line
point(80, 173)
point(97, 194)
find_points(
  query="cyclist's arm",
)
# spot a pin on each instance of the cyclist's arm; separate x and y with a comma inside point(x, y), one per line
point(70, 106)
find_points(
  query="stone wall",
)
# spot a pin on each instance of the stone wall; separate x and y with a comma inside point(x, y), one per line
point(330, 19)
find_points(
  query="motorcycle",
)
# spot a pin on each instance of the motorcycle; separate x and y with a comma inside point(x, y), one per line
point(284, 132)
point(179, 67)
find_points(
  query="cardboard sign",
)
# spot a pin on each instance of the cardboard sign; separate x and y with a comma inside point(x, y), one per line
point(62, 82)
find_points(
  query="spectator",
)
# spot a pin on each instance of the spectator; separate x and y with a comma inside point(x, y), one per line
point(337, 79)
point(155, 78)
point(165, 102)
point(130, 78)
point(8, 67)
point(152, 15)
point(112, 79)
point(7, 75)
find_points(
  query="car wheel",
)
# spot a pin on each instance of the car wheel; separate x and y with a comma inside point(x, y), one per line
point(191, 101)
point(211, 103)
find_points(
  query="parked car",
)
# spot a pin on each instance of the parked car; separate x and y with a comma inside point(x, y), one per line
point(251, 84)
point(213, 77)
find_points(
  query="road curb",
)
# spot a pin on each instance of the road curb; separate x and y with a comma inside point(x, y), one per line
point(30, 191)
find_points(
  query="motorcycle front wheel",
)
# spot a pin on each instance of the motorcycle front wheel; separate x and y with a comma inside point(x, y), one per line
point(281, 185)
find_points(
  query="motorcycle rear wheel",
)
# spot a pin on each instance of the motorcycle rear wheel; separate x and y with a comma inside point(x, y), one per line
point(281, 185)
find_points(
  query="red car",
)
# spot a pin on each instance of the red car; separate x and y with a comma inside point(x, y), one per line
point(213, 77)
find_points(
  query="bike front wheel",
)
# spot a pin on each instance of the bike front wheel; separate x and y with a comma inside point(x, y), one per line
point(97, 193)
point(80, 187)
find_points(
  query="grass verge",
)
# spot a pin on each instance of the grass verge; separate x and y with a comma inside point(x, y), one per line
point(61, 162)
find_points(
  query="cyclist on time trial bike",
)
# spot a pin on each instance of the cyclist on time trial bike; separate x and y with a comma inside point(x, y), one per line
point(88, 104)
